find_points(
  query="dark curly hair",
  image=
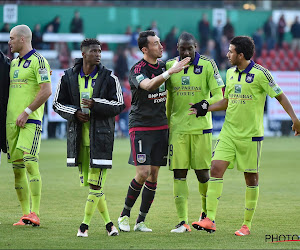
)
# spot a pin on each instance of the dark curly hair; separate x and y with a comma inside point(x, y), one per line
point(245, 45)
point(143, 38)
point(89, 41)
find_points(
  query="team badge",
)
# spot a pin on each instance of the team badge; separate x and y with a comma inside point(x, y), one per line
point(93, 83)
point(238, 88)
point(249, 78)
point(141, 158)
point(16, 74)
point(185, 80)
point(277, 89)
point(26, 64)
point(198, 69)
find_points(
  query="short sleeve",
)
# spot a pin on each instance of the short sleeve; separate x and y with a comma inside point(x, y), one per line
point(269, 85)
point(137, 75)
point(214, 78)
point(42, 70)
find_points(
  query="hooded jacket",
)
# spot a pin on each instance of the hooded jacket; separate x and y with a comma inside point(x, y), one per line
point(108, 97)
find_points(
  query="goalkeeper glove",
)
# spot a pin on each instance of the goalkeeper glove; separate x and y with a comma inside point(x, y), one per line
point(202, 108)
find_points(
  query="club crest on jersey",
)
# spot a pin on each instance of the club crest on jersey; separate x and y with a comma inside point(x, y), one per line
point(93, 83)
point(141, 158)
point(238, 88)
point(185, 80)
point(249, 78)
point(26, 64)
point(198, 69)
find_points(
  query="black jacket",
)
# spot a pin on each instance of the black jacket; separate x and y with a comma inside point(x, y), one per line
point(4, 88)
point(108, 98)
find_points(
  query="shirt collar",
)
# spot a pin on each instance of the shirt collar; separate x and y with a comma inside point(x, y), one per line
point(196, 59)
point(246, 70)
point(29, 54)
point(91, 75)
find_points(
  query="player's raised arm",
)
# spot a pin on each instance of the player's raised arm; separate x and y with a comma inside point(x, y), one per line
point(285, 103)
point(154, 83)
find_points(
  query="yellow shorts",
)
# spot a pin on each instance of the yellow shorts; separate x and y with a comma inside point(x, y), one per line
point(246, 153)
point(87, 175)
point(19, 140)
point(188, 151)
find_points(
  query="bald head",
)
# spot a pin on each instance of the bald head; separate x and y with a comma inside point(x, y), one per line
point(22, 31)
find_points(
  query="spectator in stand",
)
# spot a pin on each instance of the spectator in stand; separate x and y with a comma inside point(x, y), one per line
point(224, 44)
point(216, 36)
point(270, 33)
point(49, 30)
point(154, 28)
point(171, 43)
point(134, 37)
point(280, 30)
point(128, 30)
point(37, 37)
point(121, 66)
point(258, 41)
point(55, 25)
point(295, 30)
point(5, 28)
point(76, 27)
point(203, 29)
point(228, 30)
point(211, 49)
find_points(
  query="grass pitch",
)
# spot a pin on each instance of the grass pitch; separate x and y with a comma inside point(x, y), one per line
point(63, 202)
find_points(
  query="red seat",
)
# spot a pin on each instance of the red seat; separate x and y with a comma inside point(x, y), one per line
point(259, 61)
point(277, 62)
point(268, 63)
point(296, 63)
point(264, 53)
point(285, 46)
point(298, 54)
point(274, 67)
point(291, 54)
point(283, 67)
point(281, 54)
point(286, 62)
point(272, 53)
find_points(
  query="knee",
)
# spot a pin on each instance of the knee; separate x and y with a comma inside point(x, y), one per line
point(203, 177)
point(180, 173)
point(142, 176)
point(19, 171)
point(216, 171)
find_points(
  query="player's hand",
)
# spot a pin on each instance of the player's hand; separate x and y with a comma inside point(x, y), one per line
point(178, 66)
point(296, 127)
point(82, 117)
point(199, 108)
point(88, 103)
point(22, 119)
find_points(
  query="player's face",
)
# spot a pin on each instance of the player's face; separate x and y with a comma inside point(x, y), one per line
point(232, 56)
point(154, 49)
point(15, 42)
point(92, 55)
point(186, 49)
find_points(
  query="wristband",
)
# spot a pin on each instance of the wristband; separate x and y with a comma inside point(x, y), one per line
point(166, 75)
point(28, 111)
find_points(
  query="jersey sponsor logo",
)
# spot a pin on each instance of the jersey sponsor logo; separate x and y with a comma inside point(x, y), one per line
point(249, 78)
point(162, 88)
point(26, 64)
point(139, 78)
point(44, 74)
point(141, 158)
point(198, 69)
point(16, 74)
point(238, 88)
point(185, 80)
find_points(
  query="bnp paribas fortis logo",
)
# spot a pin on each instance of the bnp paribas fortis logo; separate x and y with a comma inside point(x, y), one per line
point(16, 74)
point(185, 80)
point(238, 88)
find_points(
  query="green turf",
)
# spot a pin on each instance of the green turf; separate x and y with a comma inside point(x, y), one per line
point(63, 204)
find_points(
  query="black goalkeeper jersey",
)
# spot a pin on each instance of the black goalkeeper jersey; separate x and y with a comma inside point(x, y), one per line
point(148, 108)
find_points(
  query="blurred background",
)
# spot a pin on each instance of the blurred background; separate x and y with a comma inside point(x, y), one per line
point(59, 27)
